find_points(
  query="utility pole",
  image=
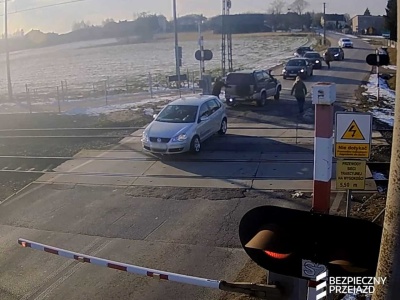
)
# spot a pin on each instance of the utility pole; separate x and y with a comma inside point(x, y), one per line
point(177, 58)
point(229, 36)
point(324, 23)
point(10, 92)
point(389, 263)
point(201, 45)
point(223, 46)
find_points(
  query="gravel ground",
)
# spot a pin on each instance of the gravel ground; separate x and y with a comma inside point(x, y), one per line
point(12, 182)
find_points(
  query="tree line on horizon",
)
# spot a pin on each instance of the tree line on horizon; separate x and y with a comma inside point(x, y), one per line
point(144, 25)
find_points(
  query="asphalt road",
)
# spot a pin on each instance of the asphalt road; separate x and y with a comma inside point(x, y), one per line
point(189, 231)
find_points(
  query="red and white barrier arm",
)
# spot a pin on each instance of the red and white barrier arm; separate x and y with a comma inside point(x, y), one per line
point(270, 291)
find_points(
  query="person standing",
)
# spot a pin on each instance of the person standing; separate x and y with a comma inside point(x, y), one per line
point(218, 85)
point(328, 57)
point(299, 90)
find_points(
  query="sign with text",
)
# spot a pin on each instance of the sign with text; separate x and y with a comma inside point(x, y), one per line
point(311, 270)
point(353, 135)
point(350, 174)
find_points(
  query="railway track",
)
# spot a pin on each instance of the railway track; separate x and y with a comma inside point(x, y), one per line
point(46, 164)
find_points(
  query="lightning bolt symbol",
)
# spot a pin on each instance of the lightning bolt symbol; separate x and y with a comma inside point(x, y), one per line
point(352, 130)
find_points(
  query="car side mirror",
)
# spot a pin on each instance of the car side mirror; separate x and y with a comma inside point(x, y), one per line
point(155, 116)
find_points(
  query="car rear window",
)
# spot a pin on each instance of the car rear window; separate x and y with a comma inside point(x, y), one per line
point(296, 63)
point(312, 55)
point(240, 78)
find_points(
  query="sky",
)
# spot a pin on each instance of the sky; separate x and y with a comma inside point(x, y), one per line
point(60, 18)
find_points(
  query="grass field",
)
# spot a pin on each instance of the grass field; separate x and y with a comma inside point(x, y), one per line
point(209, 35)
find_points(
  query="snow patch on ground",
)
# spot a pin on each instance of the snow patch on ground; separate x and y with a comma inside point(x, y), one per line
point(378, 176)
point(391, 67)
point(107, 109)
point(384, 112)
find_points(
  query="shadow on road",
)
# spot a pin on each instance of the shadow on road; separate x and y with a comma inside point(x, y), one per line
point(344, 69)
point(336, 79)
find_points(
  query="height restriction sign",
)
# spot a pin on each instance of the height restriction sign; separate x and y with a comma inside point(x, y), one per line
point(353, 135)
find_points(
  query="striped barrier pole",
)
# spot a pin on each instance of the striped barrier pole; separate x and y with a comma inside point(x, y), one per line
point(323, 96)
point(272, 292)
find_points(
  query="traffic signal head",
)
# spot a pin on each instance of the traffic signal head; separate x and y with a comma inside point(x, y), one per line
point(282, 240)
point(372, 60)
point(207, 55)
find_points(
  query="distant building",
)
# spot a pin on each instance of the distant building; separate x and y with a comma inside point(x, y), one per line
point(370, 25)
point(334, 21)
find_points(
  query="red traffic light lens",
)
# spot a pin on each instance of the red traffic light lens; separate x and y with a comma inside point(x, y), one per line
point(277, 255)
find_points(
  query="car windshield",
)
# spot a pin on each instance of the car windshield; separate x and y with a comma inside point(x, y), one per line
point(312, 55)
point(304, 49)
point(334, 50)
point(346, 40)
point(178, 114)
point(238, 78)
point(296, 63)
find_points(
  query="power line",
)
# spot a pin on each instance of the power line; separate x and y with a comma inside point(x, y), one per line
point(43, 6)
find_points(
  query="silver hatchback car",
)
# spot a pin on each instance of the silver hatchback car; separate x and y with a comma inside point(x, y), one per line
point(184, 124)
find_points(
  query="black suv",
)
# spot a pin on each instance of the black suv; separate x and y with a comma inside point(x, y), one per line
point(251, 86)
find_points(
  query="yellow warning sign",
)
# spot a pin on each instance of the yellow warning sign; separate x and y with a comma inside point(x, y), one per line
point(350, 174)
point(352, 150)
point(353, 132)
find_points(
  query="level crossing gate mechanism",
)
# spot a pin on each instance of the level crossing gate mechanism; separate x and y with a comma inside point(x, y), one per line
point(271, 292)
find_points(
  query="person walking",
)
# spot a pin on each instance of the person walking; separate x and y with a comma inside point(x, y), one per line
point(218, 85)
point(328, 57)
point(300, 91)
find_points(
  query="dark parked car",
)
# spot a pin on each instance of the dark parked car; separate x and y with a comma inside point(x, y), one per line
point(298, 67)
point(300, 51)
point(337, 53)
point(251, 86)
point(315, 58)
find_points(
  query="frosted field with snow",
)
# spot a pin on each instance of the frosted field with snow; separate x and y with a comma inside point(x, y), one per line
point(81, 64)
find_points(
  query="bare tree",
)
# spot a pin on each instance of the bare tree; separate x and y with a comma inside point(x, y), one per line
point(277, 7)
point(299, 6)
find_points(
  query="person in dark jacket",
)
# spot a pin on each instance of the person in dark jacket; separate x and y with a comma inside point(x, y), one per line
point(328, 57)
point(218, 85)
point(299, 90)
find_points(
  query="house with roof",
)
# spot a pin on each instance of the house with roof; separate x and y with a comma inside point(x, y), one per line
point(334, 21)
point(367, 24)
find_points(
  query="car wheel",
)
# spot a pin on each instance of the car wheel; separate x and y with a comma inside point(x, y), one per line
point(224, 127)
point(278, 94)
point(263, 100)
point(312, 73)
point(195, 145)
point(284, 77)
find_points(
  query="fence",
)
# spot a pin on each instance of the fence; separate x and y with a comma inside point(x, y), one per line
point(67, 96)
